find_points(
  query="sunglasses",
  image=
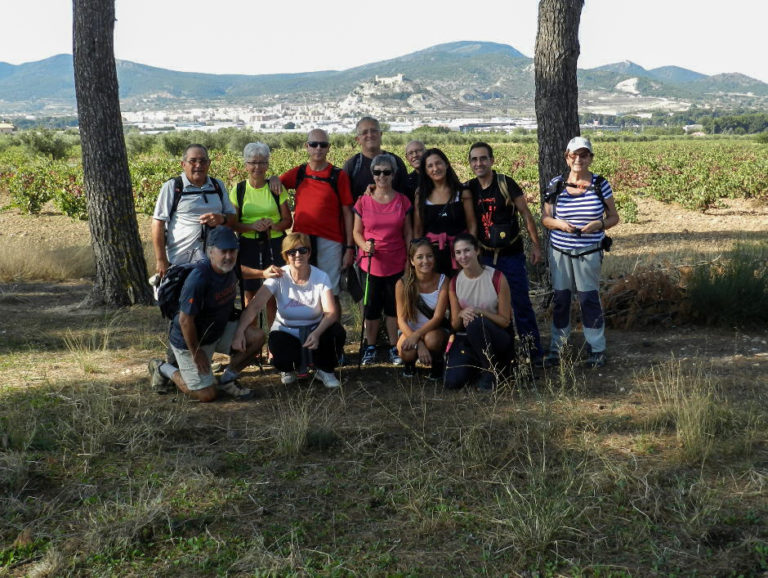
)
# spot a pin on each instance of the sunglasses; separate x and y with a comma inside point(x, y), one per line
point(379, 172)
point(297, 250)
point(581, 155)
point(316, 143)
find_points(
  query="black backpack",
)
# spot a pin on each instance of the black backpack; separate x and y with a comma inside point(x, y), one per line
point(240, 192)
point(169, 290)
point(178, 192)
point(333, 180)
point(554, 189)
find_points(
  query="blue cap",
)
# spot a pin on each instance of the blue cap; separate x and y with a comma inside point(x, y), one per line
point(222, 238)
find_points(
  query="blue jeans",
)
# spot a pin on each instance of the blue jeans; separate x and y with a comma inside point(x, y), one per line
point(513, 267)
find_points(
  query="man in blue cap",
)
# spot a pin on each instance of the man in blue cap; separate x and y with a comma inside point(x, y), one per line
point(204, 325)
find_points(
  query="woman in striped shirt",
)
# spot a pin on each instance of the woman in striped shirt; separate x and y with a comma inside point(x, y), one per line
point(579, 207)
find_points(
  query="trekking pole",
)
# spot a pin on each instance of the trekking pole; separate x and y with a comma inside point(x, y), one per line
point(365, 304)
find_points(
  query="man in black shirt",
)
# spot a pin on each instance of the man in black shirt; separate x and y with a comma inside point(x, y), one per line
point(498, 230)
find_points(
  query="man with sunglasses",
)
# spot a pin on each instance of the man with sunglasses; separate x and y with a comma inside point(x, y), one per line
point(323, 207)
point(358, 167)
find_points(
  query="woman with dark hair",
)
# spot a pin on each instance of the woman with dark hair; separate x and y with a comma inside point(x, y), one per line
point(481, 314)
point(422, 300)
point(444, 207)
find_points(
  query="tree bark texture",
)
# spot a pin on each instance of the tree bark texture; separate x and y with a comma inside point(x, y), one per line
point(555, 60)
point(121, 270)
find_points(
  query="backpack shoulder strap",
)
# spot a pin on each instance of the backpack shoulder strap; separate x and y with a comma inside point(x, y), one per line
point(178, 189)
point(599, 180)
point(358, 165)
point(300, 174)
point(240, 191)
point(501, 180)
point(496, 280)
point(335, 171)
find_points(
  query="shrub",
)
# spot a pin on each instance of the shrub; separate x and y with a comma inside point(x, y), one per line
point(29, 188)
point(734, 293)
point(53, 144)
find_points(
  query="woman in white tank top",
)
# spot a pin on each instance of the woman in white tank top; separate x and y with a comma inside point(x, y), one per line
point(422, 300)
point(481, 314)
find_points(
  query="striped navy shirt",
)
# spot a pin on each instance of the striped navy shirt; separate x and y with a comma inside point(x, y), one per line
point(579, 210)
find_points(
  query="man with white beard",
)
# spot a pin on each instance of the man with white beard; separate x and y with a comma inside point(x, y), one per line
point(204, 324)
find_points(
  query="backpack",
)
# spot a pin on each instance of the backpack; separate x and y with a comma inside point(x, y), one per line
point(553, 191)
point(169, 290)
point(333, 180)
point(178, 192)
point(240, 192)
point(496, 279)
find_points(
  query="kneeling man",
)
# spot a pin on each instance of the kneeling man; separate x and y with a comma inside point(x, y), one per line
point(204, 325)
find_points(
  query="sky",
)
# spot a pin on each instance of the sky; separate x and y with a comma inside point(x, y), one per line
point(279, 36)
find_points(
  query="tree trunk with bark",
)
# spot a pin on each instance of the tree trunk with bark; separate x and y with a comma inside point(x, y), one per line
point(555, 60)
point(120, 267)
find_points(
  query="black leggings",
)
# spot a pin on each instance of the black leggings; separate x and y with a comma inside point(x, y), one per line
point(286, 349)
point(381, 295)
point(484, 346)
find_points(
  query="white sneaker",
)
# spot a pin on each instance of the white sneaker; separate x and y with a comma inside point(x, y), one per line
point(287, 377)
point(328, 379)
point(235, 391)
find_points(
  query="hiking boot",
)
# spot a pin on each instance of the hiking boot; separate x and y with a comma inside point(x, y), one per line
point(369, 355)
point(595, 360)
point(287, 377)
point(160, 384)
point(394, 358)
point(328, 378)
point(551, 360)
point(409, 369)
point(235, 391)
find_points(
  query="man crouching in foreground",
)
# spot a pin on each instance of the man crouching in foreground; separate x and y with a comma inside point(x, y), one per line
point(204, 325)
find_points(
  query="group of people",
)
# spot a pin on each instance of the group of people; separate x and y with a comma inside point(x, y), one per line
point(436, 257)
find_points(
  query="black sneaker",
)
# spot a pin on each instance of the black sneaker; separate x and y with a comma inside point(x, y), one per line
point(409, 369)
point(486, 383)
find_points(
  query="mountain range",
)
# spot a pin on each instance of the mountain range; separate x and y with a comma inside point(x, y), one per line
point(465, 77)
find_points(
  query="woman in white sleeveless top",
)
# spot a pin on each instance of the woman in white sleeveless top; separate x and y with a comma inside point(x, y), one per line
point(422, 301)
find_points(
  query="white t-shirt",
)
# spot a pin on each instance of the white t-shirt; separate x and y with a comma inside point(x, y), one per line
point(298, 305)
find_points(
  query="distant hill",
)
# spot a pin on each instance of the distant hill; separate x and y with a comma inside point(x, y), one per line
point(456, 78)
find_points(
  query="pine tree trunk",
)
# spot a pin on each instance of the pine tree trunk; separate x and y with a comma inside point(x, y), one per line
point(555, 60)
point(120, 267)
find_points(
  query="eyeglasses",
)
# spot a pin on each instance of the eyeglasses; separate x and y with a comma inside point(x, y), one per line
point(198, 161)
point(297, 250)
point(414, 152)
point(482, 159)
point(368, 131)
point(380, 172)
point(257, 163)
point(322, 144)
point(581, 155)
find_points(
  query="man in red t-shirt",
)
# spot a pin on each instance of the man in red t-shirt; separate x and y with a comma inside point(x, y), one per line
point(323, 207)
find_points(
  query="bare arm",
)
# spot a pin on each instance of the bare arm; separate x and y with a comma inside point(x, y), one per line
point(469, 211)
point(522, 205)
point(248, 315)
point(158, 243)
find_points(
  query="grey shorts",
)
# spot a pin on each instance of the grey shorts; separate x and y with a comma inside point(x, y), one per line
point(329, 256)
point(193, 379)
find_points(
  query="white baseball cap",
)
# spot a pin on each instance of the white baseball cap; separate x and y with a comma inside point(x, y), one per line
point(578, 142)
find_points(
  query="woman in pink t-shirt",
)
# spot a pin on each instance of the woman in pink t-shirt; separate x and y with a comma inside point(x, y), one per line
point(382, 227)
